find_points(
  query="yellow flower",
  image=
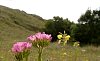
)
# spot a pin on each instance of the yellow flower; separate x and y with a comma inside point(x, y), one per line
point(67, 37)
point(65, 53)
point(76, 44)
point(59, 36)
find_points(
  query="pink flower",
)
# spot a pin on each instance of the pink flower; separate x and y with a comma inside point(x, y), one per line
point(46, 36)
point(32, 38)
point(20, 47)
point(40, 36)
point(27, 45)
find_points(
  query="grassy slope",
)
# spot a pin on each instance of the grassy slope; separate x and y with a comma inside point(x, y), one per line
point(16, 24)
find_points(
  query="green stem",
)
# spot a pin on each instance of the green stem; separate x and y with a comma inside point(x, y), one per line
point(40, 53)
point(19, 57)
point(26, 59)
point(19, 60)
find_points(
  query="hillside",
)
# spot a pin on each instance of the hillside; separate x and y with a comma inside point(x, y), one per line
point(16, 24)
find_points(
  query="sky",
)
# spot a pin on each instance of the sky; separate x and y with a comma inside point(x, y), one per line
point(47, 9)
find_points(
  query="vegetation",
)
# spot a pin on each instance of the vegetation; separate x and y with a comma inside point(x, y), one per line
point(88, 31)
point(56, 25)
point(16, 25)
point(14, 22)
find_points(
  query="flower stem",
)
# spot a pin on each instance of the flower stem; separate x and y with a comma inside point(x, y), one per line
point(40, 53)
point(26, 59)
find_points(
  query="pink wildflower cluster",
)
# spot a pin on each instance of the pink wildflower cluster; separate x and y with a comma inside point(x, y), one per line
point(21, 46)
point(40, 36)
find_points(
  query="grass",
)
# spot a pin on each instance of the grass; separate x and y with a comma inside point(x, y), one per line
point(54, 52)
